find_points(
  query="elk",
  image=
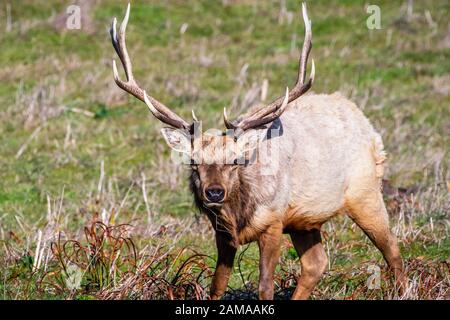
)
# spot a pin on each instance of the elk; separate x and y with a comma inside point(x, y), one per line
point(330, 161)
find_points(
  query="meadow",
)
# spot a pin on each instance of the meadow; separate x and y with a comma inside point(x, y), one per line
point(91, 206)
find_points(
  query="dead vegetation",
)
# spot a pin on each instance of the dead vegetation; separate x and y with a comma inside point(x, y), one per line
point(112, 260)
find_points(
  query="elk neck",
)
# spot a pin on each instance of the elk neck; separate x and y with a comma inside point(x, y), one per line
point(238, 209)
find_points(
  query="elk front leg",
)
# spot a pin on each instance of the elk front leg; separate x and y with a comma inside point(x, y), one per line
point(225, 257)
point(269, 249)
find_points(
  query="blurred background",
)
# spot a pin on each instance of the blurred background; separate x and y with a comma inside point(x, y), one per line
point(76, 151)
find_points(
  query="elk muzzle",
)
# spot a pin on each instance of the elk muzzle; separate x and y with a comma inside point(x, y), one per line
point(214, 194)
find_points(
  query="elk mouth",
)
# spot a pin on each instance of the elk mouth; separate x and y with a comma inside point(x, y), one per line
point(209, 204)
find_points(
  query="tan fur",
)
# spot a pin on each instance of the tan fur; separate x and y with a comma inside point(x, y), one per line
point(330, 145)
point(328, 160)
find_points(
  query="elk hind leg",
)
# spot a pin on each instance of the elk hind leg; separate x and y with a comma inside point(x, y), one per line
point(313, 259)
point(369, 213)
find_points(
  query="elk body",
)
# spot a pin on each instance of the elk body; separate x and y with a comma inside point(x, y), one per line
point(284, 168)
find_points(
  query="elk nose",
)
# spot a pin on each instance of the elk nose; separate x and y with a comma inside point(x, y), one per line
point(215, 193)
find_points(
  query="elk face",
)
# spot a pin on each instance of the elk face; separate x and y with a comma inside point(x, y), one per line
point(215, 160)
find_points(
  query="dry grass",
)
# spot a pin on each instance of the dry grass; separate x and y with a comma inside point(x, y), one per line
point(111, 260)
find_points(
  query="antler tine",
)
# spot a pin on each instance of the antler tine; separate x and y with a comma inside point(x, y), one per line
point(273, 110)
point(159, 110)
point(194, 117)
point(306, 46)
point(269, 118)
point(228, 123)
point(118, 41)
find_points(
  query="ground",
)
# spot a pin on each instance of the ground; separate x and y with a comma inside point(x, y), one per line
point(79, 158)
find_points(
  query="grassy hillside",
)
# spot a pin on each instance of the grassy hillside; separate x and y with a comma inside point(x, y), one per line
point(76, 150)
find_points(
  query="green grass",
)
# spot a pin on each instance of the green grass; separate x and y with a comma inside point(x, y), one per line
point(46, 73)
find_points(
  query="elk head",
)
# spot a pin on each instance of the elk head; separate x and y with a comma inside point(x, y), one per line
point(215, 158)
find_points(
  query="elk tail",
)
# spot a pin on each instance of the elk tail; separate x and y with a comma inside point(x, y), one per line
point(379, 155)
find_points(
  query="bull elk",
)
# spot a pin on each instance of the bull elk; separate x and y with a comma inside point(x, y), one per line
point(330, 161)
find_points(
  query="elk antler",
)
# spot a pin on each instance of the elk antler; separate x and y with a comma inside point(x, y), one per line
point(158, 109)
point(272, 111)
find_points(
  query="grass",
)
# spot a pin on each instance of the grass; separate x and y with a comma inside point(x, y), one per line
point(77, 155)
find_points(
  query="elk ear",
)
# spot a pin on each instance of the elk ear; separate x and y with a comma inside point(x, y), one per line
point(177, 139)
point(250, 139)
